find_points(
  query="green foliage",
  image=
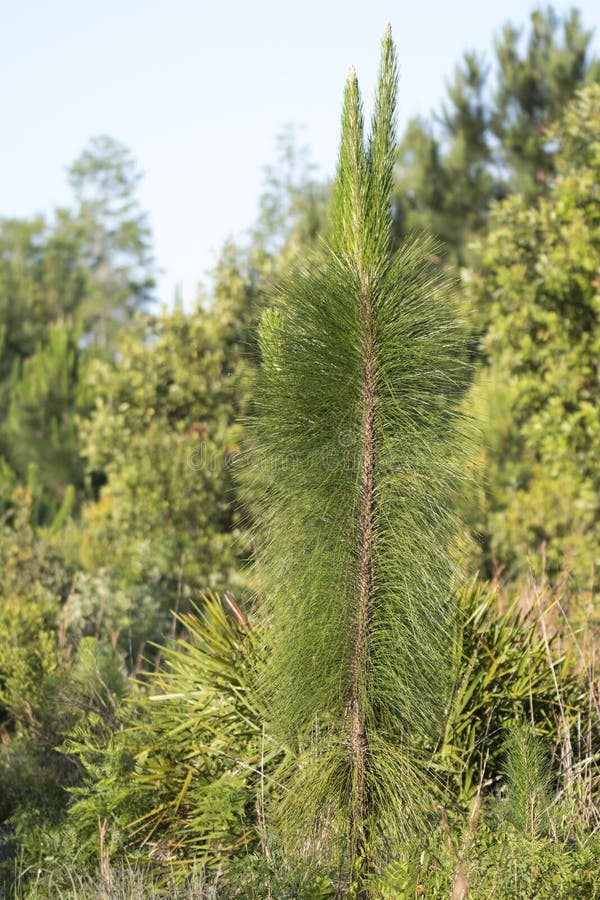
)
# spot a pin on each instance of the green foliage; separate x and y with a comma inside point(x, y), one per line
point(161, 439)
point(491, 137)
point(536, 298)
point(447, 185)
point(66, 287)
point(46, 683)
point(504, 674)
point(367, 698)
point(42, 280)
point(533, 89)
point(208, 752)
point(84, 685)
point(195, 735)
point(526, 841)
point(32, 582)
point(113, 235)
point(253, 879)
point(45, 396)
point(130, 881)
point(353, 472)
point(500, 863)
point(528, 782)
point(293, 204)
point(90, 266)
point(187, 781)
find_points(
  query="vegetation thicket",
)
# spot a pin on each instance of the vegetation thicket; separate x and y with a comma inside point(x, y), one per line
point(297, 585)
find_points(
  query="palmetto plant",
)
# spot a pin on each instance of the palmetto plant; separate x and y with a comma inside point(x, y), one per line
point(356, 461)
point(209, 754)
point(505, 673)
point(183, 782)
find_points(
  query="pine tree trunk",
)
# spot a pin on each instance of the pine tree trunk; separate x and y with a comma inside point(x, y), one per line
point(359, 746)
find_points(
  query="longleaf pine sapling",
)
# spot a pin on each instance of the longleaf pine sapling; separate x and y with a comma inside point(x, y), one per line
point(356, 461)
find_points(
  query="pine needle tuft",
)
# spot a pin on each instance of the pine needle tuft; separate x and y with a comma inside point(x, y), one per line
point(357, 462)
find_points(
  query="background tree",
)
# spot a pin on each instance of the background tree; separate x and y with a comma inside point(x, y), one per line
point(113, 235)
point(535, 297)
point(66, 287)
point(491, 136)
point(42, 280)
point(446, 182)
point(159, 447)
point(293, 203)
point(40, 431)
point(532, 89)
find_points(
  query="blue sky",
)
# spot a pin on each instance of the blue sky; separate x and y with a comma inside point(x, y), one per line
point(199, 91)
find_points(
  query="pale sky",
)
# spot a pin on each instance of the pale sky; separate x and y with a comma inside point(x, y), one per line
point(199, 90)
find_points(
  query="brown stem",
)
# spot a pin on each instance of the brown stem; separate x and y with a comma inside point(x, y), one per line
point(359, 745)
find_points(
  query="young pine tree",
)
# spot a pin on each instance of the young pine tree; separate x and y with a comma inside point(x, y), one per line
point(356, 449)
